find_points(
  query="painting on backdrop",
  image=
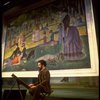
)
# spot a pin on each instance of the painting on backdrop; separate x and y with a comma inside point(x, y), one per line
point(62, 33)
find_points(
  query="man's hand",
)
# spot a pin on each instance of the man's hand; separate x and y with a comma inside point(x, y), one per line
point(30, 85)
point(33, 87)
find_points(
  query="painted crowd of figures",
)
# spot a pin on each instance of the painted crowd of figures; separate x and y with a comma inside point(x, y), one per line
point(64, 33)
point(69, 38)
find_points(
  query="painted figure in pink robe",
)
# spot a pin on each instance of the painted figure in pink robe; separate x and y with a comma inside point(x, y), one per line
point(72, 42)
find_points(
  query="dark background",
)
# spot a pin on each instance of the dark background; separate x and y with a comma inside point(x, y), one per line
point(96, 18)
point(27, 2)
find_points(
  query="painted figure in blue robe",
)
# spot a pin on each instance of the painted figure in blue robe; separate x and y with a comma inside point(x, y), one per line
point(61, 33)
point(52, 35)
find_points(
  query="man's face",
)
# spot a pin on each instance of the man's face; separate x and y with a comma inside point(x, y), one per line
point(39, 66)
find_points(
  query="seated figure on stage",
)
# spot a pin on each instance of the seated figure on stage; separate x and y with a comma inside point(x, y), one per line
point(43, 83)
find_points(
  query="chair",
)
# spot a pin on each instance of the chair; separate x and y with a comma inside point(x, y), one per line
point(45, 95)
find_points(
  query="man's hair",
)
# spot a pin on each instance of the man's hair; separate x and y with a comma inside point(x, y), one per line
point(43, 62)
